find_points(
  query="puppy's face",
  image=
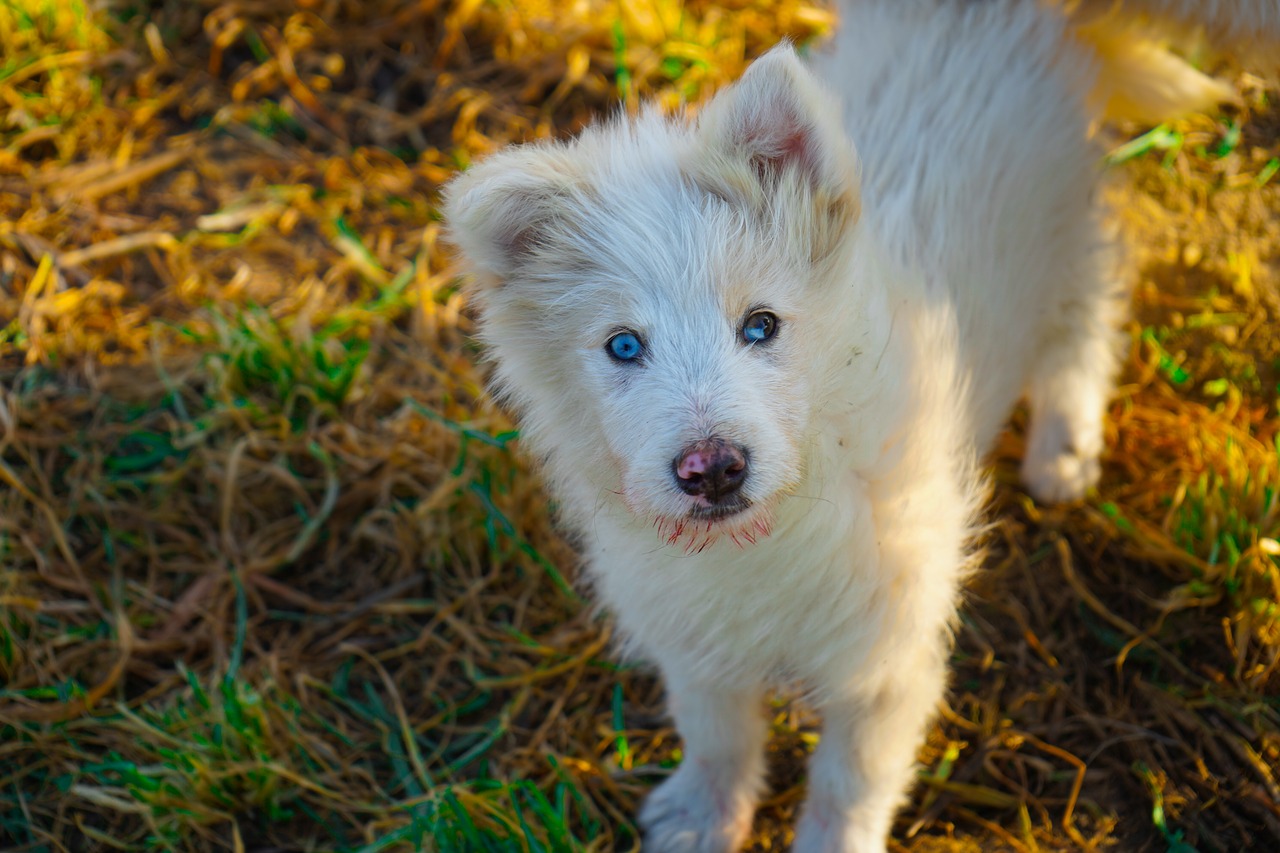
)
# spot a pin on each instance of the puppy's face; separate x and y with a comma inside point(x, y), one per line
point(651, 293)
point(685, 340)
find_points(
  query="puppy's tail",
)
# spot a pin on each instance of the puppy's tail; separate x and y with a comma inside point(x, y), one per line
point(1139, 76)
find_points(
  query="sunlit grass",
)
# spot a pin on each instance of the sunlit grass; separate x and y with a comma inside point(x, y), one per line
point(50, 55)
point(1229, 516)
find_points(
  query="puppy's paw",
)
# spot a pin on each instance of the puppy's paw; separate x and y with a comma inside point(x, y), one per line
point(1061, 462)
point(822, 831)
point(691, 813)
point(1060, 477)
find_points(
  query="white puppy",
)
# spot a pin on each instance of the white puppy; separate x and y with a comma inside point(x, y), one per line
point(760, 356)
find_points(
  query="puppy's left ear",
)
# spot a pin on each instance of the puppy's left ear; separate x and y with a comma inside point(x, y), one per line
point(775, 138)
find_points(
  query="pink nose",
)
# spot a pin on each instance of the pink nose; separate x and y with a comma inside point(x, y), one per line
point(712, 468)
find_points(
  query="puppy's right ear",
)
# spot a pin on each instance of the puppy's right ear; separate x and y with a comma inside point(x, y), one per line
point(496, 212)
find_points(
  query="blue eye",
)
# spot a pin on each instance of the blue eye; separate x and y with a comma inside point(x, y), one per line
point(625, 346)
point(760, 327)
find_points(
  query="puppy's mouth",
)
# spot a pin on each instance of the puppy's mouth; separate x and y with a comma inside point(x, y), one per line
point(719, 511)
point(739, 520)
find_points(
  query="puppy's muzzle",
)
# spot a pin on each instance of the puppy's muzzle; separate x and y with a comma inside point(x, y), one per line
point(712, 469)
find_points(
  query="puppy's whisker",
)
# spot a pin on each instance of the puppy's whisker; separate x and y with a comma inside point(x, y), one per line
point(814, 498)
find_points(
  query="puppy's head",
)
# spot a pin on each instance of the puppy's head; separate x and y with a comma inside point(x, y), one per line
point(652, 294)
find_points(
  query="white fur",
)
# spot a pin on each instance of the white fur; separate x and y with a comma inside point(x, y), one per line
point(920, 293)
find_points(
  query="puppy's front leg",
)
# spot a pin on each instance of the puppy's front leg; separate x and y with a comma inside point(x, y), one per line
point(864, 762)
point(707, 804)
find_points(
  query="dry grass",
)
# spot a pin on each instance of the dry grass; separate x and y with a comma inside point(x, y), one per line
point(271, 575)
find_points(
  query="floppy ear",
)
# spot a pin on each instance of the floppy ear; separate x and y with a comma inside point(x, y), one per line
point(496, 209)
point(777, 132)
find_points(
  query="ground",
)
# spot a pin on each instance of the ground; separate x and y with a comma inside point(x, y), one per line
point(274, 574)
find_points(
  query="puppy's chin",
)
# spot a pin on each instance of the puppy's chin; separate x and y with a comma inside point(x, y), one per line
point(742, 523)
